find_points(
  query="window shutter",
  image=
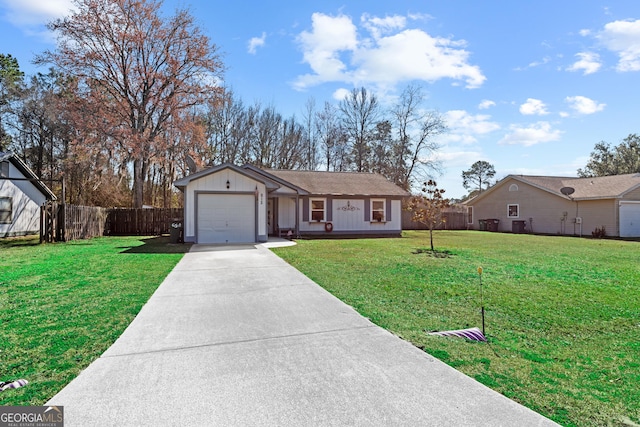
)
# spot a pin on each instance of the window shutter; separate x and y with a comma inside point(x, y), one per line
point(329, 209)
point(367, 209)
point(305, 209)
point(388, 208)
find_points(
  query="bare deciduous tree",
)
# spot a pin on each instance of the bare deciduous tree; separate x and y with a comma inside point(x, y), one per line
point(360, 112)
point(416, 132)
point(146, 70)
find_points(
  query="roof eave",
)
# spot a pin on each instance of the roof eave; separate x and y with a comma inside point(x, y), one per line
point(299, 190)
point(27, 172)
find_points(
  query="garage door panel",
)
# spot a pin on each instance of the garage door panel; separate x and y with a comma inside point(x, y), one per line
point(226, 218)
point(629, 219)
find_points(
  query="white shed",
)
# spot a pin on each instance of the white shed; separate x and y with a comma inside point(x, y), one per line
point(21, 196)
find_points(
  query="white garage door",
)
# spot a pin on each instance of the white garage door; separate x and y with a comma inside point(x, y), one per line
point(226, 218)
point(629, 219)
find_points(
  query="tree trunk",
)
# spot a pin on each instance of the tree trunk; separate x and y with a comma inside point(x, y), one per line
point(138, 182)
point(431, 237)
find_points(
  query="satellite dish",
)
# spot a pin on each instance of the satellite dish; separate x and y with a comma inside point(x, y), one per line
point(567, 191)
point(191, 164)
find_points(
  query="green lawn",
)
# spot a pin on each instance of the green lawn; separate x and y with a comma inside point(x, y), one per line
point(562, 314)
point(62, 305)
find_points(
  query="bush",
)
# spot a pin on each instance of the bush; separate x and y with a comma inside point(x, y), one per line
point(599, 232)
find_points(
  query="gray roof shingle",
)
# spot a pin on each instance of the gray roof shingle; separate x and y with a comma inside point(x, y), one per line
point(340, 183)
point(586, 188)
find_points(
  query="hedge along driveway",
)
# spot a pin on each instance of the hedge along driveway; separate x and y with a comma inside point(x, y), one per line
point(62, 305)
point(563, 314)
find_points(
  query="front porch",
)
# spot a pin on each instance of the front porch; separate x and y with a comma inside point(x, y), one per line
point(282, 221)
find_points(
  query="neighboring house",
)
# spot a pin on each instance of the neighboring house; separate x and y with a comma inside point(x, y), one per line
point(556, 205)
point(21, 195)
point(231, 204)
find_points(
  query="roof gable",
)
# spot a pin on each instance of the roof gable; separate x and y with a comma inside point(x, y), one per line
point(27, 173)
point(183, 182)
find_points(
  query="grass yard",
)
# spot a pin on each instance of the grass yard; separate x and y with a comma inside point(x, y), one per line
point(562, 314)
point(62, 305)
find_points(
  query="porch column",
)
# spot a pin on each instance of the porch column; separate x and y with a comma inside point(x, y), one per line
point(297, 216)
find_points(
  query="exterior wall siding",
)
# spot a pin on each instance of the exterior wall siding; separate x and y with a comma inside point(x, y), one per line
point(217, 182)
point(545, 213)
point(542, 211)
point(633, 195)
point(286, 213)
point(597, 214)
point(26, 201)
point(349, 216)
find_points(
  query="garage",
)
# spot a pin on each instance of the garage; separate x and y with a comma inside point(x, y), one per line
point(629, 219)
point(226, 218)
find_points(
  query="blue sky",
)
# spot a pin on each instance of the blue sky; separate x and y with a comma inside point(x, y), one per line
point(529, 86)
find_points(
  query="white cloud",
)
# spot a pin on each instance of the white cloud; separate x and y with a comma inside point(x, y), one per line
point(378, 26)
point(584, 105)
point(623, 38)
point(256, 42)
point(419, 16)
point(544, 61)
point(533, 107)
point(336, 53)
point(589, 63)
point(531, 135)
point(322, 46)
point(341, 94)
point(457, 158)
point(465, 128)
point(486, 104)
point(29, 13)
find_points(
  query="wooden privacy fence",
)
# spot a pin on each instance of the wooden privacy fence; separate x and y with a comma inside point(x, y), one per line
point(453, 221)
point(141, 222)
point(63, 222)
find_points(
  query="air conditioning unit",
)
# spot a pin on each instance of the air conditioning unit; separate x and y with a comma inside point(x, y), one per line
point(578, 220)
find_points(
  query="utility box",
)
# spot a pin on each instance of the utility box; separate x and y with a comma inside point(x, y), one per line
point(518, 227)
point(492, 224)
point(176, 231)
point(482, 225)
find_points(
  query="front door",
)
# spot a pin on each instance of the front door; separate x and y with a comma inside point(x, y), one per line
point(271, 205)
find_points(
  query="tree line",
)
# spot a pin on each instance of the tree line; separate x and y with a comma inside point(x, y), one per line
point(134, 100)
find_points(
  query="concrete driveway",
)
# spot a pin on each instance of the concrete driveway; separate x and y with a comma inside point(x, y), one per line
point(235, 336)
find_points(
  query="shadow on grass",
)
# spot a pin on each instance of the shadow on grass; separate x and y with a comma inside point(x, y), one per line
point(434, 253)
point(157, 245)
point(16, 242)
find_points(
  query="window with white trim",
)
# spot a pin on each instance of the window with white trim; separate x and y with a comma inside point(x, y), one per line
point(378, 210)
point(6, 210)
point(469, 214)
point(513, 211)
point(513, 187)
point(317, 209)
